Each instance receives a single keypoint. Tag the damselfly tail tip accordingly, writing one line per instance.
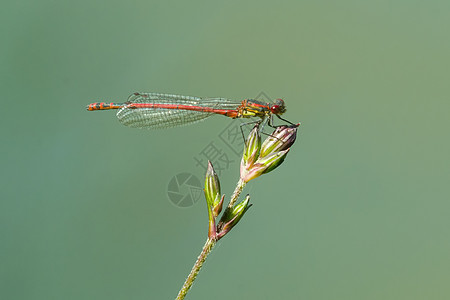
(94, 106)
(103, 106)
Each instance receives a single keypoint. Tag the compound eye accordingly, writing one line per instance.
(278, 107)
(275, 107)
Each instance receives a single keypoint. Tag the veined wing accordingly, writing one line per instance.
(154, 117)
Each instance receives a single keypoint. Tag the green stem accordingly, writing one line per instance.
(237, 191)
(207, 247)
(196, 268)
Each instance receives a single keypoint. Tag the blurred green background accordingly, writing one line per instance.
(359, 210)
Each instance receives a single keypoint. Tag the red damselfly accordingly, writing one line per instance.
(155, 110)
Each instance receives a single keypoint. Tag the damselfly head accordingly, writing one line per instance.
(278, 107)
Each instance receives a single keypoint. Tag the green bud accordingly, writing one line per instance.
(233, 216)
(252, 147)
(212, 187)
(273, 160)
(272, 153)
(281, 139)
(213, 199)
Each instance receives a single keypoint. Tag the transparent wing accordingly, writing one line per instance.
(155, 118)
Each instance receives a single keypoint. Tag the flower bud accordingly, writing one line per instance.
(252, 147)
(213, 199)
(281, 139)
(271, 154)
(233, 216)
(212, 190)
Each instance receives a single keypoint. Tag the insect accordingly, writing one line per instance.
(155, 110)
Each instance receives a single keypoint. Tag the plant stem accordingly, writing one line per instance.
(207, 247)
(237, 191)
(196, 268)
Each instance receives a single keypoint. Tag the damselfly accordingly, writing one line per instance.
(155, 110)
